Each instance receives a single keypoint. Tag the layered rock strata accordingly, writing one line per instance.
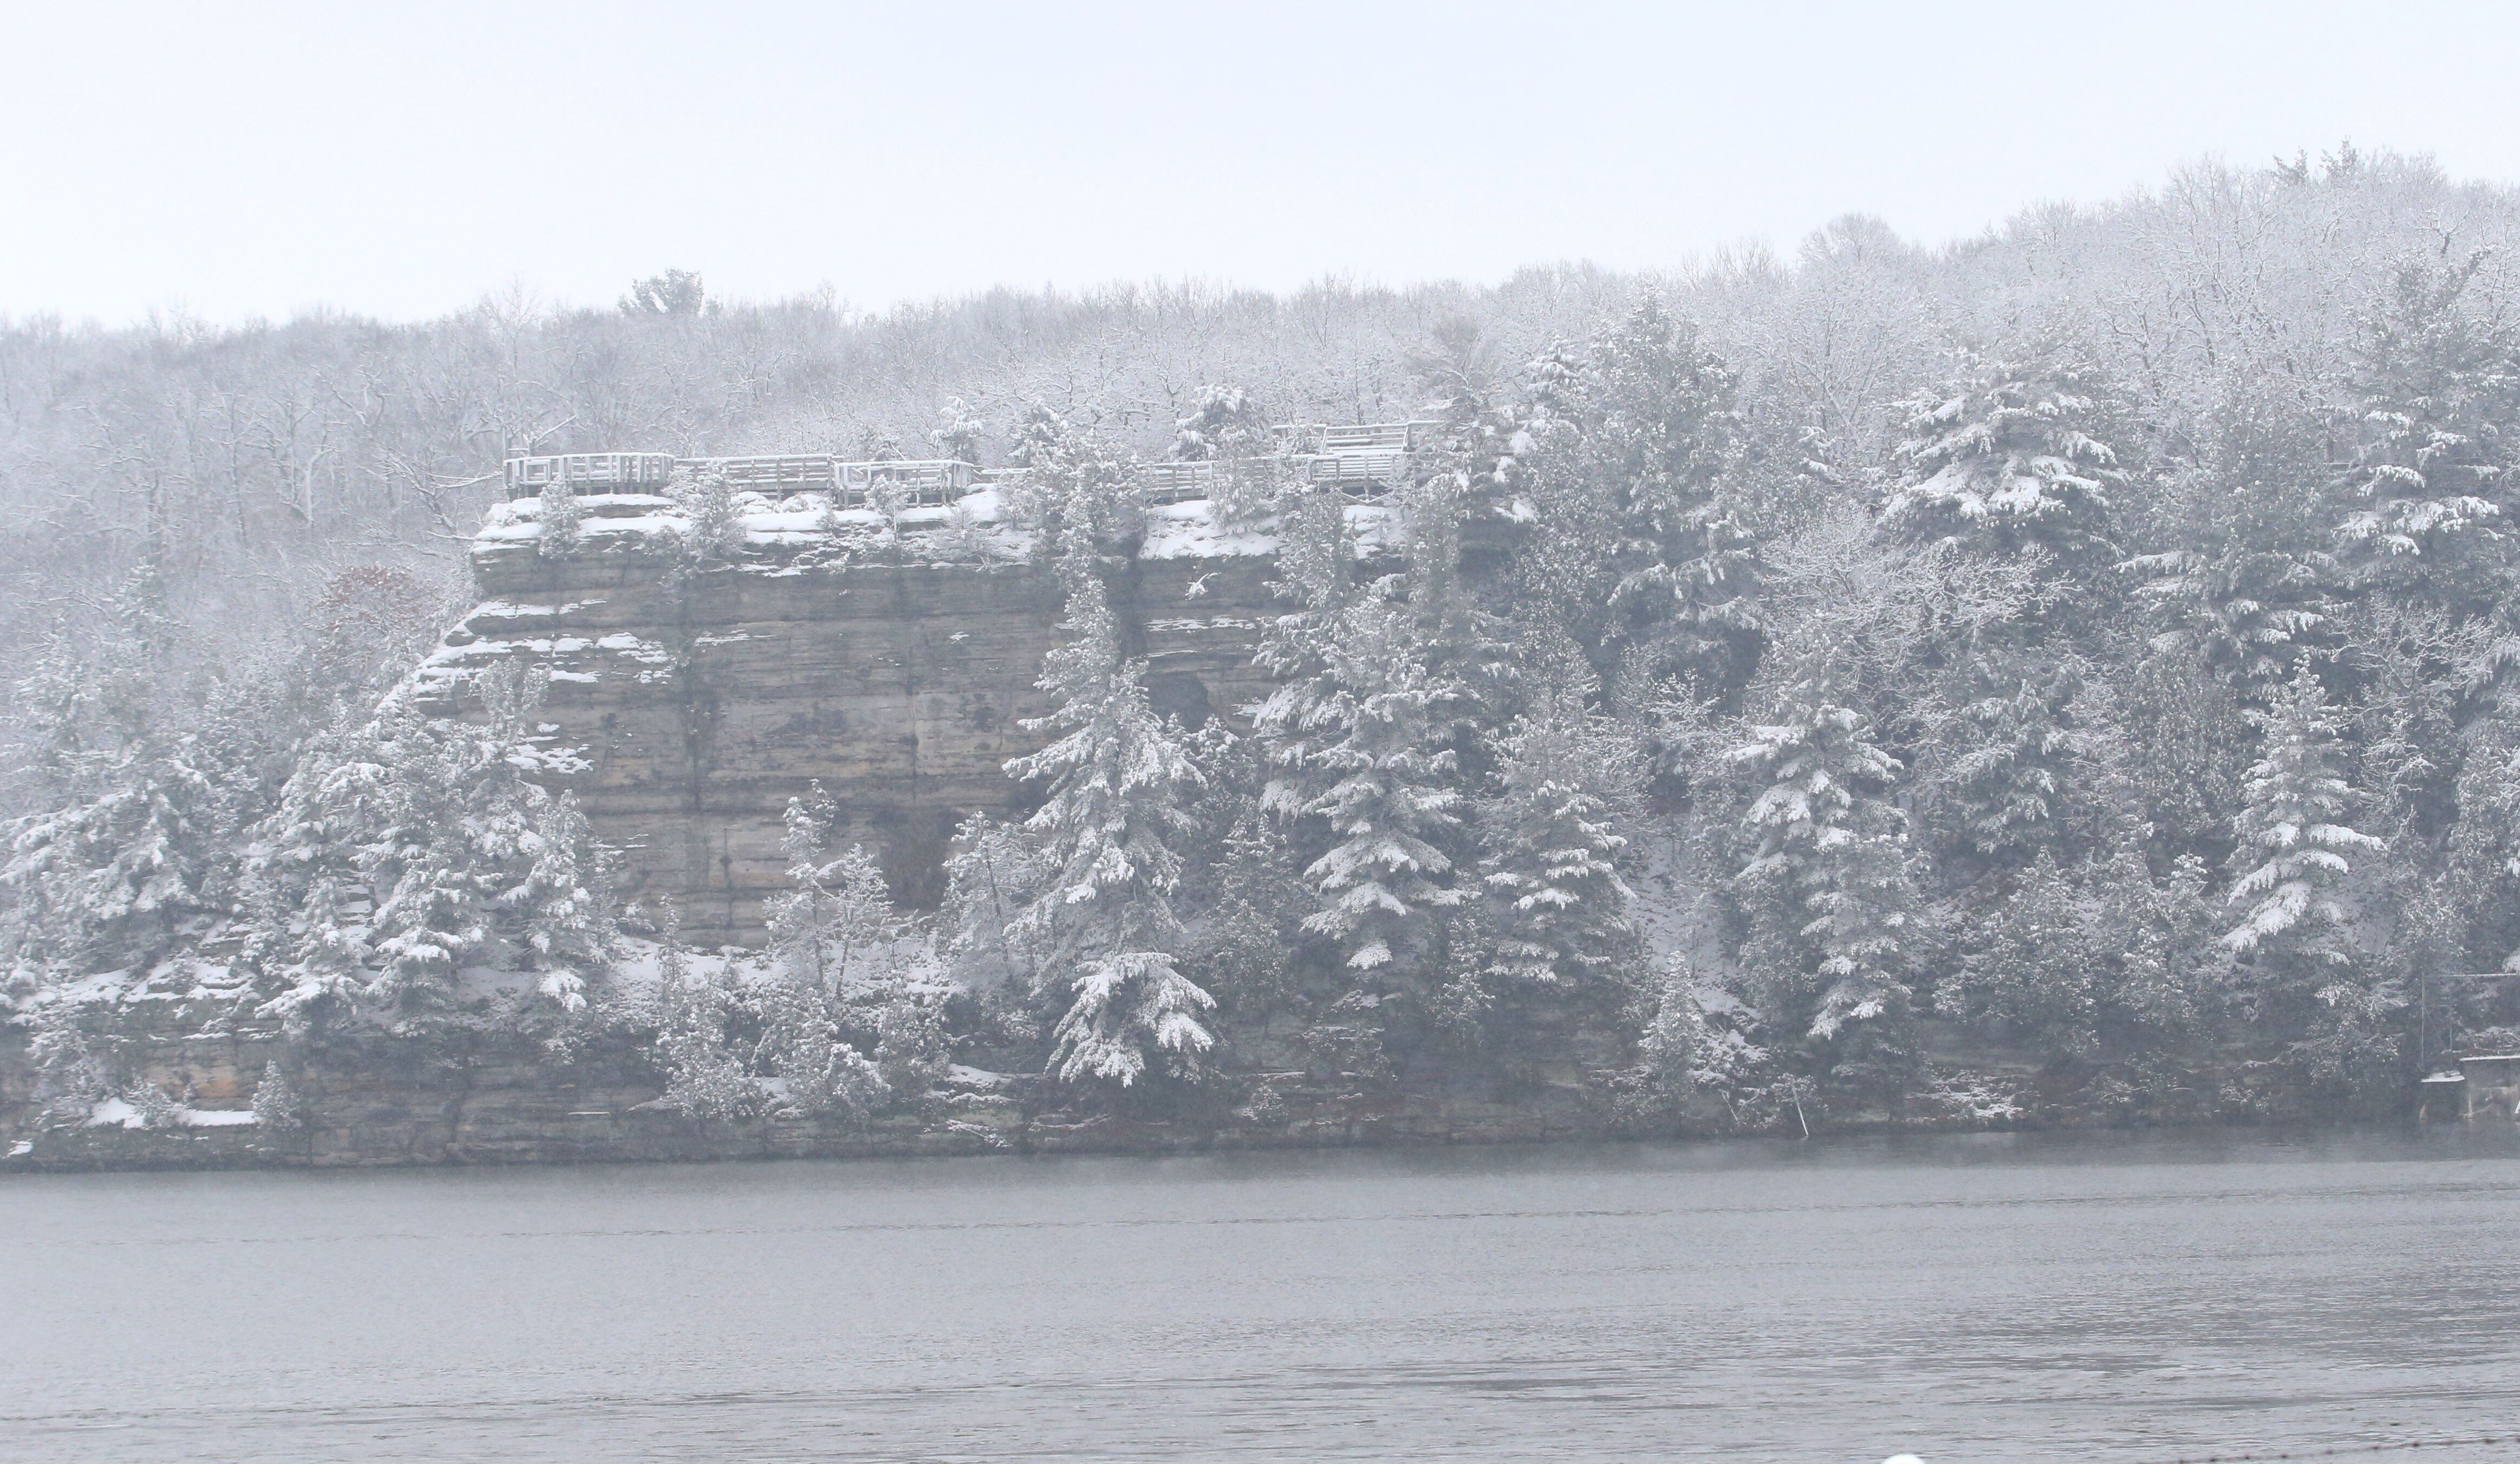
(891, 660)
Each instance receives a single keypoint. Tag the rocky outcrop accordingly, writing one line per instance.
(363, 1100)
(892, 662)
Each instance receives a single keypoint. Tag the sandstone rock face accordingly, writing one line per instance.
(894, 664)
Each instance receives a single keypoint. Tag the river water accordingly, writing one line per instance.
(2008, 1298)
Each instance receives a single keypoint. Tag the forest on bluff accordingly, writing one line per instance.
(2087, 643)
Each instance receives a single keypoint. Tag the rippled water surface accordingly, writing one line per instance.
(1990, 1298)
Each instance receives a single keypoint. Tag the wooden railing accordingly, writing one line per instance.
(1361, 462)
(913, 482)
(793, 472)
(589, 471)
(1311, 437)
(1365, 473)
(1178, 482)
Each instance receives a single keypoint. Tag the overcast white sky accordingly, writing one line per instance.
(400, 160)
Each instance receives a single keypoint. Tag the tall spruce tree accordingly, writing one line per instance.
(2295, 848)
(2020, 743)
(1554, 847)
(1661, 430)
(1386, 794)
(1826, 883)
(1117, 778)
(2439, 387)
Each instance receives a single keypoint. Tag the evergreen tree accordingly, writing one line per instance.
(834, 922)
(1248, 477)
(2021, 747)
(2249, 612)
(1466, 496)
(2253, 587)
(1077, 483)
(2294, 844)
(844, 1023)
(1383, 790)
(561, 902)
(1316, 559)
(151, 791)
(956, 433)
(1662, 431)
(2010, 457)
(1226, 424)
(1827, 885)
(706, 1076)
(1116, 777)
(2439, 387)
(991, 877)
(448, 832)
(2034, 967)
(712, 531)
(2171, 967)
(109, 879)
(560, 514)
(1554, 848)
(1471, 461)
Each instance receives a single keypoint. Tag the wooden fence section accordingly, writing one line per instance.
(1361, 475)
(1361, 462)
(589, 471)
(1305, 438)
(794, 472)
(909, 483)
(915, 482)
(1178, 482)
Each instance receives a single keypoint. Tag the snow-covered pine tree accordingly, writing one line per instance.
(834, 925)
(2034, 963)
(449, 830)
(1316, 564)
(1077, 480)
(462, 837)
(1116, 777)
(1248, 478)
(308, 894)
(2020, 744)
(1033, 432)
(2248, 611)
(2438, 384)
(561, 902)
(2170, 966)
(1827, 885)
(991, 876)
(1566, 780)
(1226, 423)
(1471, 459)
(2293, 855)
(150, 771)
(1462, 510)
(956, 433)
(108, 880)
(2254, 582)
(1382, 785)
(2008, 459)
(1662, 432)
(836, 947)
(559, 514)
(712, 529)
(705, 1076)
